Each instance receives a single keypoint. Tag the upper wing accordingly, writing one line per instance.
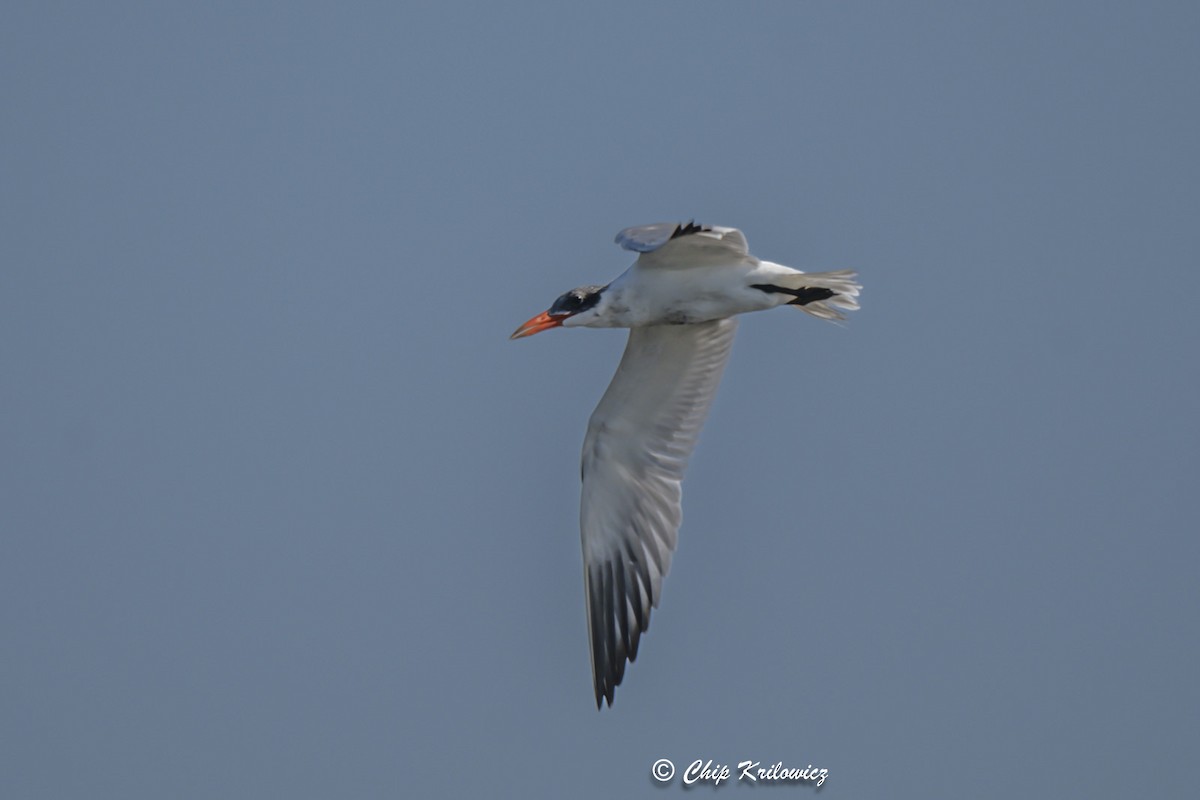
(637, 446)
(668, 244)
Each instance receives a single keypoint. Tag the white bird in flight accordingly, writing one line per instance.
(679, 300)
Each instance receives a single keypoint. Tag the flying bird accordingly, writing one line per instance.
(679, 300)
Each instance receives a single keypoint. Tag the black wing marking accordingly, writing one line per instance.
(689, 227)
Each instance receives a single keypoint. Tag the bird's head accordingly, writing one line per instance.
(580, 306)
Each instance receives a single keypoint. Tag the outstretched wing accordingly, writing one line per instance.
(638, 443)
(670, 244)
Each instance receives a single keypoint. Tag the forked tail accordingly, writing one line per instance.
(822, 294)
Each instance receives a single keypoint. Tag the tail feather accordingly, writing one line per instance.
(822, 294)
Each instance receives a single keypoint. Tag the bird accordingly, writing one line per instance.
(680, 300)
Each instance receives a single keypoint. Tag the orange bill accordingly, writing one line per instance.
(542, 322)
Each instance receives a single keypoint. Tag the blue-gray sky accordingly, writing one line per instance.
(285, 514)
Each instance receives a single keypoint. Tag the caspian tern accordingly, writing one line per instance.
(679, 300)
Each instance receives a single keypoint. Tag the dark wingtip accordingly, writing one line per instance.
(689, 227)
(604, 694)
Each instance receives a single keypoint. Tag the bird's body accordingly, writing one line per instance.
(644, 296)
(679, 301)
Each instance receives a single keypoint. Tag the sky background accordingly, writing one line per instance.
(285, 514)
